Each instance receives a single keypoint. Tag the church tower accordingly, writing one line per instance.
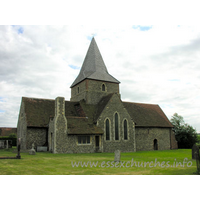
(93, 81)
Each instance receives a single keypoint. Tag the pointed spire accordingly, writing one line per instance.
(94, 67)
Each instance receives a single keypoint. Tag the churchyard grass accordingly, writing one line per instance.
(61, 164)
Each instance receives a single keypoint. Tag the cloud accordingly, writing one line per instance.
(159, 65)
(142, 28)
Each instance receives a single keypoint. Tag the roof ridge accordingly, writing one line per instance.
(109, 96)
(37, 98)
(140, 103)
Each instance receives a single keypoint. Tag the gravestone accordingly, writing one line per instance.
(18, 156)
(6, 144)
(1, 144)
(32, 151)
(117, 156)
(41, 148)
(195, 152)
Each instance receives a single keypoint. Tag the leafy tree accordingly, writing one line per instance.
(185, 134)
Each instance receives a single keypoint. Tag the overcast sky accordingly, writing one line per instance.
(155, 64)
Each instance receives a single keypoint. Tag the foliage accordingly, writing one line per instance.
(185, 134)
(13, 138)
(12, 135)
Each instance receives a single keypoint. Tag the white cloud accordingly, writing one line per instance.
(158, 66)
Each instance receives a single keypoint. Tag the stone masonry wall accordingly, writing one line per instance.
(174, 143)
(91, 91)
(73, 146)
(115, 106)
(38, 136)
(145, 138)
(60, 126)
(22, 127)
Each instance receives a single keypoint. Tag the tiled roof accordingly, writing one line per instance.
(4, 131)
(147, 115)
(38, 111)
(94, 67)
(80, 121)
(82, 117)
(82, 126)
(101, 105)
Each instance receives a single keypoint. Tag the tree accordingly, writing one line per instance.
(185, 134)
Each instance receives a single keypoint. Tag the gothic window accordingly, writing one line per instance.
(78, 89)
(116, 127)
(103, 87)
(125, 130)
(155, 144)
(107, 130)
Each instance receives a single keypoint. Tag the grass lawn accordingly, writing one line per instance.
(61, 164)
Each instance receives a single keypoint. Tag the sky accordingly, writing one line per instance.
(155, 64)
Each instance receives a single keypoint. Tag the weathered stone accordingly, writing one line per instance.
(195, 152)
(1, 144)
(32, 152)
(41, 148)
(117, 156)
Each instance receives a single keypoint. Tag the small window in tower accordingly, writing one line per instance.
(103, 87)
(78, 89)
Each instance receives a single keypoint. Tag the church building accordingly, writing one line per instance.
(95, 119)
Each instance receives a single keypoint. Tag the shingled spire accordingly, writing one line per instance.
(94, 67)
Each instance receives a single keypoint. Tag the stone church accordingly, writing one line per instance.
(95, 119)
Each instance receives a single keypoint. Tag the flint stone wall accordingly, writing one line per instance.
(38, 136)
(91, 91)
(145, 138)
(116, 106)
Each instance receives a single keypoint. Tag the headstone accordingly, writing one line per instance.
(6, 144)
(195, 152)
(41, 148)
(117, 156)
(32, 151)
(1, 144)
(18, 149)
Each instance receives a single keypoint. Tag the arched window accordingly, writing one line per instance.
(78, 89)
(107, 130)
(125, 130)
(155, 144)
(116, 127)
(103, 87)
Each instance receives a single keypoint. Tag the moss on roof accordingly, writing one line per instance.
(38, 111)
(82, 126)
(79, 115)
(82, 117)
